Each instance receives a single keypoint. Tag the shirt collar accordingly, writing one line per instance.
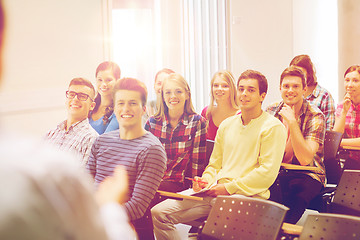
(62, 125)
(184, 119)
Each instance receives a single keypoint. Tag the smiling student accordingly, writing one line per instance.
(223, 102)
(137, 150)
(75, 133)
(316, 94)
(182, 132)
(102, 117)
(347, 118)
(306, 131)
(246, 159)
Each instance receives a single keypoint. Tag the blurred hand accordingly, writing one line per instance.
(114, 188)
(218, 189)
(199, 184)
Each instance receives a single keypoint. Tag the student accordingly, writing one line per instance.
(159, 79)
(315, 94)
(137, 150)
(348, 116)
(246, 159)
(181, 131)
(102, 118)
(75, 133)
(46, 195)
(223, 102)
(306, 130)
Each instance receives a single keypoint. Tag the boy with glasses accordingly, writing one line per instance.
(75, 133)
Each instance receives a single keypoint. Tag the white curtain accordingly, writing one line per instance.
(205, 45)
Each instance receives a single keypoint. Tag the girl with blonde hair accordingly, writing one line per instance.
(223, 102)
(181, 131)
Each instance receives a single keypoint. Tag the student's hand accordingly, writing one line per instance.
(288, 113)
(199, 184)
(218, 189)
(114, 188)
(347, 103)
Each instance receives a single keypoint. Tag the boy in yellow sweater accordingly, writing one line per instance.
(246, 159)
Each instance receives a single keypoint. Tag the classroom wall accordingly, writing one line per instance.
(261, 38)
(349, 38)
(48, 42)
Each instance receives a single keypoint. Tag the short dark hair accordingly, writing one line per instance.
(305, 62)
(83, 82)
(252, 74)
(352, 68)
(131, 84)
(293, 71)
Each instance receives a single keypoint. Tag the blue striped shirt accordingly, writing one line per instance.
(144, 159)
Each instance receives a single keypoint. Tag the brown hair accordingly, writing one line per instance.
(107, 65)
(252, 74)
(131, 84)
(293, 71)
(83, 82)
(352, 68)
(305, 62)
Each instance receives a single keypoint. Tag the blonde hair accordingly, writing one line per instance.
(163, 109)
(229, 78)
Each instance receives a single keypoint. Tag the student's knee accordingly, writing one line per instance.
(158, 213)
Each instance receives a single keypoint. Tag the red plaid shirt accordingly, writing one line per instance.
(352, 121)
(184, 145)
(352, 124)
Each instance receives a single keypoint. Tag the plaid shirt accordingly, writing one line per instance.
(78, 139)
(184, 145)
(321, 98)
(312, 125)
(352, 125)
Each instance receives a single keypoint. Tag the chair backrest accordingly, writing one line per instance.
(209, 149)
(331, 144)
(347, 196)
(239, 217)
(331, 161)
(330, 226)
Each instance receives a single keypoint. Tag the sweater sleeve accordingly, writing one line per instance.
(91, 163)
(150, 171)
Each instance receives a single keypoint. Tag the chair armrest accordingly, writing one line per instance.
(289, 166)
(291, 229)
(350, 147)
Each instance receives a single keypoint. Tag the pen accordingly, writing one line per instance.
(195, 180)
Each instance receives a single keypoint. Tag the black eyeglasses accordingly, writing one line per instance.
(80, 96)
